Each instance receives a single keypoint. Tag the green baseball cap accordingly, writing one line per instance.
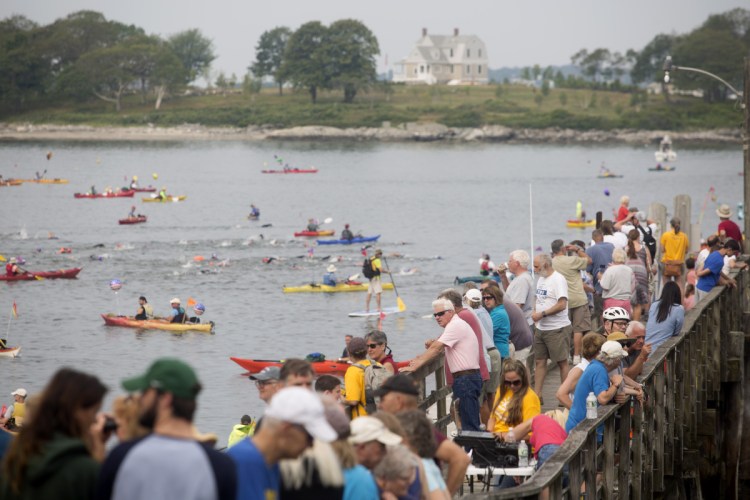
(168, 375)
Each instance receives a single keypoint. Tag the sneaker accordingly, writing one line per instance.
(576, 360)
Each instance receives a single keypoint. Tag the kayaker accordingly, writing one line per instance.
(16, 411)
(254, 212)
(347, 234)
(312, 225)
(329, 278)
(131, 214)
(486, 266)
(134, 182)
(178, 313)
(92, 191)
(163, 194)
(145, 311)
(198, 309)
(240, 431)
(11, 268)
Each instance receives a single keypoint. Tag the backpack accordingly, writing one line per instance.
(649, 240)
(367, 270)
(375, 375)
(314, 357)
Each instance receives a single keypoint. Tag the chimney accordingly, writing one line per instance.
(455, 31)
(424, 32)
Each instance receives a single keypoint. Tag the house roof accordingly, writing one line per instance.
(431, 49)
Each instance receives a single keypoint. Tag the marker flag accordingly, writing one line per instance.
(15, 310)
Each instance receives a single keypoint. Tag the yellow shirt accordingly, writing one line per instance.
(531, 408)
(675, 245)
(354, 388)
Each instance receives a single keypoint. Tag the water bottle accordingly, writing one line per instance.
(510, 437)
(523, 454)
(591, 406)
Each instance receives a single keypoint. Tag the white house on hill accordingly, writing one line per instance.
(452, 60)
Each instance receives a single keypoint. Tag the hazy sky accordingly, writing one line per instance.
(516, 33)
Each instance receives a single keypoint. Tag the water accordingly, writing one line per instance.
(437, 206)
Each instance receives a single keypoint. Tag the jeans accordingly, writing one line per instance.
(543, 455)
(467, 389)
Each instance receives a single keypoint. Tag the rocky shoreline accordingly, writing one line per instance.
(412, 132)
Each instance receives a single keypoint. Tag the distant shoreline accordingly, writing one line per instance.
(413, 132)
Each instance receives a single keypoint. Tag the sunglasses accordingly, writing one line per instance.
(514, 383)
(439, 314)
(488, 297)
(373, 346)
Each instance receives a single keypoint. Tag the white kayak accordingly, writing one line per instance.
(370, 314)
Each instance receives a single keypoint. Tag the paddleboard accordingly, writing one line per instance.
(369, 314)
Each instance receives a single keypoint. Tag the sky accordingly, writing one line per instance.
(519, 33)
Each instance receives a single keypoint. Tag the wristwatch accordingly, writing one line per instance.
(544, 314)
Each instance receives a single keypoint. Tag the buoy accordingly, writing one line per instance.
(606, 192)
(115, 285)
(155, 175)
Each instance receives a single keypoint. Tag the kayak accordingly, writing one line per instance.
(32, 275)
(341, 287)
(359, 239)
(369, 314)
(476, 279)
(134, 220)
(611, 176)
(148, 189)
(320, 367)
(119, 194)
(10, 183)
(46, 181)
(328, 232)
(10, 352)
(128, 321)
(662, 169)
(292, 171)
(580, 223)
(168, 199)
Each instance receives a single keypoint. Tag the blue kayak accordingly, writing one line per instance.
(359, 239)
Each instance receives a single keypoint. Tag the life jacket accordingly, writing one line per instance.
(19, 412)
(179, 317)
(485, 268)
(9, 269)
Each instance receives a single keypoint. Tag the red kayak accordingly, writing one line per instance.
(119, 194)
(313, 234)
(292, 171)
(134, 220)
(320, 367)
(33, 275)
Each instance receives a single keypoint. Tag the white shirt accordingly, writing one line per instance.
(548, 291)
(619, 240)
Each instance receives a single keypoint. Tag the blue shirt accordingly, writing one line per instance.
(601, 257)
(359, 484)
(594, 379)
(329, 279)
(501, 330)
(658, 333)
(255, 479)
(714, 262)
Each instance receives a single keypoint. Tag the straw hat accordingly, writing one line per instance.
(724, 212)
(331, 269)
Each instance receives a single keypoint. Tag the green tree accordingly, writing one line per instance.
(269, 54)
(222, 83)
(647, 66)
(526, 73)
(25, 71)
(536, 71)
(545, 88)
(251, 85)
(594, 63)
(305, 63)
(351, 49)
(194, 51)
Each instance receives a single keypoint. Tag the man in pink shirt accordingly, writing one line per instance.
(462, 357)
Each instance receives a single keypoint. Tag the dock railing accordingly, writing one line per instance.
(689, 430)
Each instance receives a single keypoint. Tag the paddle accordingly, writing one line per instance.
(25, 271)
(399, 302)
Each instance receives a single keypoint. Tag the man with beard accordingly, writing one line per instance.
(168, 463)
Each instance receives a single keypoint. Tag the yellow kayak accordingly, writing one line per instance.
(580, 223)
(165, 200)
(46, 181)
(340, 287)
(129, 322)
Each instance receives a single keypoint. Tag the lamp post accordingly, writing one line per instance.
(669, 67)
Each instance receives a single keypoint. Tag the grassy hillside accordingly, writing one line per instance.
(509, 105)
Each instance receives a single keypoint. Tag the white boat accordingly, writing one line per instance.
(665, 153)
(10, 352)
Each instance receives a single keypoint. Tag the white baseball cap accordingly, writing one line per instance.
(473, 295)
(366, 429)
(19, 392)
(174, 301)
(613, 349)
(296, 405)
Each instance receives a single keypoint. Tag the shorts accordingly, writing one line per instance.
(375, 286)
(625, 304)
(552, 344)
(580, 318)
(496, 368)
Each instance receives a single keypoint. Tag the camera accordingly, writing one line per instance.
(109, 424)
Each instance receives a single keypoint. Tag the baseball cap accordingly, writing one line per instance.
(398, 383)
(299, 406)
(19, 392)
(473, 295)
(168, 375)
(331, 269)
(174, 301)
(613, 349)
(366, 429)
(267, 373)
(357, 344)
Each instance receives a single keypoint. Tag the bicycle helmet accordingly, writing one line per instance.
(615, 313)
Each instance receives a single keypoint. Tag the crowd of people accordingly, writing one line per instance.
(365, 437)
